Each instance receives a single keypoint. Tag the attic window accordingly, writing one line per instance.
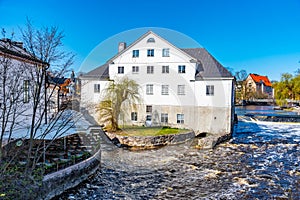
(150, 40)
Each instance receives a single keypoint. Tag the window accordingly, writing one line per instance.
(210, 90)
(121, 70)
(180, 118)
(181, 69)
(181, 90)
(149, 109)
(135, 53)
(166, 52)
(96, 88)
(150, 69)
(165, 89)
(150, 40)
(149, 89)
(164, 117)
(165, 69)
(135, 69)
(26, 91)
(150, 52)
(134, 116)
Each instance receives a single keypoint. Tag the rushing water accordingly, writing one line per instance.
(259, 162)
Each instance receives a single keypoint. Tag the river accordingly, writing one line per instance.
(259, 162)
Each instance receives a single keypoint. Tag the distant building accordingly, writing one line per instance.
(184, 88)
(260, 85)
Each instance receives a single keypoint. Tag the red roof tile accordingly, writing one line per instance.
(257, 78)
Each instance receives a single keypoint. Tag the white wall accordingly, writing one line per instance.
(88, 96)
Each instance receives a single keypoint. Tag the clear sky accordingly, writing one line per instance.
(260, 36)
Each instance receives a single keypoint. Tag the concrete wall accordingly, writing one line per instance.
(201, 119)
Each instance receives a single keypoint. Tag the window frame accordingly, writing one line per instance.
(150, 52)
(134, 116)
(166, 52)
(135, 53)
(165, 69)
(135, 69)
(210, 90)
(151, 40)
(121, 69)
(25, 91)
(164, 118)
(181, 69)
(180, 118)
(180, 89)
(149, 89)
(150, 69)
(97, 87)
(148, 108)
(164, 89)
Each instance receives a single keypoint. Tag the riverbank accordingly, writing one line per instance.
(143, 138)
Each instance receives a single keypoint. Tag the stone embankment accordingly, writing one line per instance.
(211, 141)
(150, 142)
(58, 182)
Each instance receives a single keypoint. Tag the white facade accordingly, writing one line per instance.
(169, 86)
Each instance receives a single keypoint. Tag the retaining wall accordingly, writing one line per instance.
(56, 183)
(152, 141)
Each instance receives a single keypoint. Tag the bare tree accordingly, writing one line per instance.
(25, 92)
(46, 45)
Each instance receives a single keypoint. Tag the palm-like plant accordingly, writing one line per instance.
(121, 93)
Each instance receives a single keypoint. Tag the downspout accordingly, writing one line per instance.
(45, 68)
(45, 91)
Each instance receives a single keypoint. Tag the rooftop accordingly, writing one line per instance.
(261, 79)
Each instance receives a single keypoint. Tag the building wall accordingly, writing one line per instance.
(89, 97)
(202, 119)
(17, 72)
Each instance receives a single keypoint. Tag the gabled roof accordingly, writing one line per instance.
(101, 73)
(141, 38)
(208, 66)
(15, 50)
(261, 79)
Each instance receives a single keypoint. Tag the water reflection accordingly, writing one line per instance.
(260, 162)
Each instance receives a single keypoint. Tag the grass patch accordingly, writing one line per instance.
(149, 131)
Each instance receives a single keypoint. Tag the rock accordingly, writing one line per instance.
(208, 142)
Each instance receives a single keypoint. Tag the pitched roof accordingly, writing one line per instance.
(207, 65)
(101, 72)
(16, 50)
(261, 79)
(141, 38)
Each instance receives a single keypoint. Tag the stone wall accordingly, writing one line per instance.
(56, 183)
(151, 141)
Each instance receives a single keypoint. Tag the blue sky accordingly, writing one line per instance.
(260, 36)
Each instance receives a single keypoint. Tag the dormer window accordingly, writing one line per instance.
(150, 40)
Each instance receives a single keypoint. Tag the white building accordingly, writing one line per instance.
(29, 98)
(185, 88)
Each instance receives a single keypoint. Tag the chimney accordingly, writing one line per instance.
(122, 46)
(18, 44)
